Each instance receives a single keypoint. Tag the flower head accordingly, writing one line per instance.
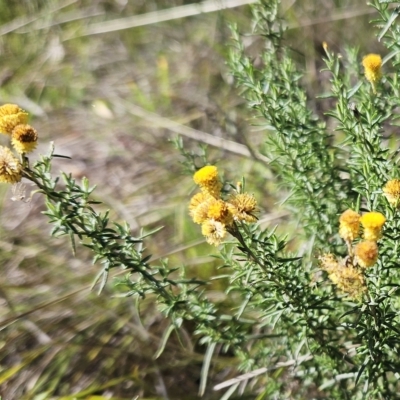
(214, 231)
(366, 253)
(10, 167)
(328, 262)
(392, 192)
(349, 225)
(349, 280)
(218, 210)
(11, 115)
(372, 223)
(207, 179)
(372, 64)
(24, 138)
(198, 207)
(345, 276)
(243, 207)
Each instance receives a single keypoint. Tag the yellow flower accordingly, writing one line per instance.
(372, 223)
(10, 167)
(349, 225)
(10, 116)
(218, 210)
(366, 253)
(24, 138)
(392, 192)
(243, 207)
(198, 207)
(372, 64)
(214, 231)
(207, 179)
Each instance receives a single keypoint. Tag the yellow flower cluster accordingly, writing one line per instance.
(349, 274)
(372, 64)
(215, 215)
(13, 122)
(372, 223)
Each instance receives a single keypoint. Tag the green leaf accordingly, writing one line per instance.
(164, 340)
(390, 20)
(361, 370)
(206, 367)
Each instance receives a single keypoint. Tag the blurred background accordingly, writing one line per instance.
(111, 82)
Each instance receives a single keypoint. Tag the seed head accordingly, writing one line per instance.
(328, 263)
(10, 167)
(243, 206)
(198, 207)
(214, 231)
(350, 280)
(392, 192)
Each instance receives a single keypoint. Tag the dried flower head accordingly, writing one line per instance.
(207, 179)
(392, 192)
(349, 225)
(328, 262)
(214, 231)
(243, 207)
(10, 167)
(366, 253)
(349, 280)
(24, 138)
(372, 64)
(344, 275)
(198, 207)
(372, 223)
(11, 115)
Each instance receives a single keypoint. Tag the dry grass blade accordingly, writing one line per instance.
(338, 16)
(23, 21)
(203, 137)
(260, 371)
(163, 15)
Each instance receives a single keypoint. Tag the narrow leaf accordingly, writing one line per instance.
(206, 367)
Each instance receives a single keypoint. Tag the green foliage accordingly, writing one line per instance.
(285, 319)
(298, 143)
